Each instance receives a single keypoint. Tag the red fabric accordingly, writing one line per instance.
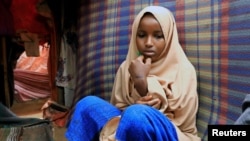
(26, 17)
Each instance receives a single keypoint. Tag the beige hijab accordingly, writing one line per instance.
(172, 78)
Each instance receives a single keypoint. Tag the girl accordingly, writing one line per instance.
(154, 97)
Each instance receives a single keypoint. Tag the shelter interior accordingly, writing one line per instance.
(213, 34)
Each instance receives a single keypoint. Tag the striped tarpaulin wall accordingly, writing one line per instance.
(215, 35)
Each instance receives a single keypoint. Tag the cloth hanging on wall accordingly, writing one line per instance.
(66, 74)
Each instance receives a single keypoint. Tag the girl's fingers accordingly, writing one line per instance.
(148, 61)
(141, 57)
(146, 98)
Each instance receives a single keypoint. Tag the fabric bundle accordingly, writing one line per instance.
(93, 121)
(31, 76)
(95, 116)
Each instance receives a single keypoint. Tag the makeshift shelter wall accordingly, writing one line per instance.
(214, 35)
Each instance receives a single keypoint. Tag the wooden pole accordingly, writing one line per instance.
(5, 72)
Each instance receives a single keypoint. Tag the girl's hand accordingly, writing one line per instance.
(150, 100)
(138, 68)
(138, 72)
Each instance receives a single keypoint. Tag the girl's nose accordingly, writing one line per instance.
(149, 42)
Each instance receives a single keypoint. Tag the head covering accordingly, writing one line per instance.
(173, 76)
(167, 23)
(169, 64)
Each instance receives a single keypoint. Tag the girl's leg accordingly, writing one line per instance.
(90, 115)
(144, 123)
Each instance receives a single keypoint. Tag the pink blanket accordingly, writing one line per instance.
(31, 76)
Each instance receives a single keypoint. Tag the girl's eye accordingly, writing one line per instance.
(140, 35)
(159, 36)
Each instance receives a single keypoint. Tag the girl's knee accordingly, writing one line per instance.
(134, 109)
(88, 99)
(136, 112)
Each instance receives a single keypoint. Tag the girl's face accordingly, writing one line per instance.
(150, 39)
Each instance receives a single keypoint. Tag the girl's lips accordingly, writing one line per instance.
(148, 53)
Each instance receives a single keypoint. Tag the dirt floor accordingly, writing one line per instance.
(33, 109)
